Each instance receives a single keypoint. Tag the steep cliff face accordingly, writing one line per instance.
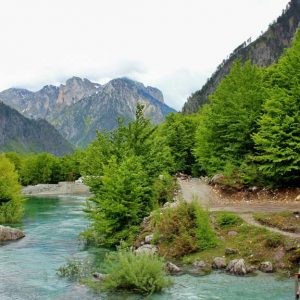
(263, 52)
(118, 98)
(74, 90)
(20, 134)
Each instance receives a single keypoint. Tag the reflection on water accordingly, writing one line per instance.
(52, 224)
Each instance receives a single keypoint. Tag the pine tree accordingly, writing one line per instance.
(278, 138)
(227, 123)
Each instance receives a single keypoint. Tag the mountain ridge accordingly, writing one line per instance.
(264, 51)
(78, 108)
(20, 134)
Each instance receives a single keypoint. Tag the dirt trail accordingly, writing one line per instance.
(198, 189)
(250, 220)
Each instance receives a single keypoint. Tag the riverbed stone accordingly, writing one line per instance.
(237, 267)
(200, 264)
(10, 234)
(279, 254)
(266, 267)
(148, 238)
(232, 233)
(172, 268)
(231, 251)
(147, 249)
(99, 276)
(219, 263)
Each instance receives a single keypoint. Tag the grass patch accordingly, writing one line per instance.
(254, 244)
(285, 221)
(228, 219)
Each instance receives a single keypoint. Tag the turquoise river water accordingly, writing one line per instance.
(52, 224)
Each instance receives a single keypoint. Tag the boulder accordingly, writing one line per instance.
(230, 251)
(266, 267)
(200, 264)
(291, 245)
(172, 268)
(10, 234)
(217, 179)
(99, 276)
(232, 233)
(219, 263)
(148, 238)
(147, 249)
(297, 198)
(237, 267)
(200, 268)
(279, 254)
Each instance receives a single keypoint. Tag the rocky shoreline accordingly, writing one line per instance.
(61, 188)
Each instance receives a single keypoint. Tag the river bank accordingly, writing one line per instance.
(52, 225)
(61, 188)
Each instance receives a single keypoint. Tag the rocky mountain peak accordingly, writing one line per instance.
(75, 89)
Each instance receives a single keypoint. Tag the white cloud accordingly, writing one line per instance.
(171, 44)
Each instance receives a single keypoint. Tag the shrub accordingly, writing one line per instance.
(11, 208)
(273, 240)
(76, 269)
(142, 273)
(182, 230)
(163, 188)
(227, 219)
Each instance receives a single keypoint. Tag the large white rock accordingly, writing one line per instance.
(148, 249)
(237, 267)
(219, 263)
(10, 234)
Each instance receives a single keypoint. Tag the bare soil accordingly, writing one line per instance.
(244, 203)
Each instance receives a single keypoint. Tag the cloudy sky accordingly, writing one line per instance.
(171, 44)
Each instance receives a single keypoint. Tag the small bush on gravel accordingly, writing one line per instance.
(273, 240)
(142, 273)
(76, 269)
(227, 219)
(183, 229)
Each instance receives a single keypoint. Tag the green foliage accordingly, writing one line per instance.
(122, 169)
(45, 167)
(227, 123)
(273, 240)
(163, 188)
(77, 269)
(179, 131)
(141, 273)
(227, 219)
(278, 137)
(11, 208)
(182, 230)
(121, 200)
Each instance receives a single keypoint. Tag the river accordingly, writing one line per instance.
(52, 224)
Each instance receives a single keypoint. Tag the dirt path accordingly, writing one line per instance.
(248, 218)
(198, 189)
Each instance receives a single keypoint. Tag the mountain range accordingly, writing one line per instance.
(80, 107)
(18, 133)
(263, 51)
